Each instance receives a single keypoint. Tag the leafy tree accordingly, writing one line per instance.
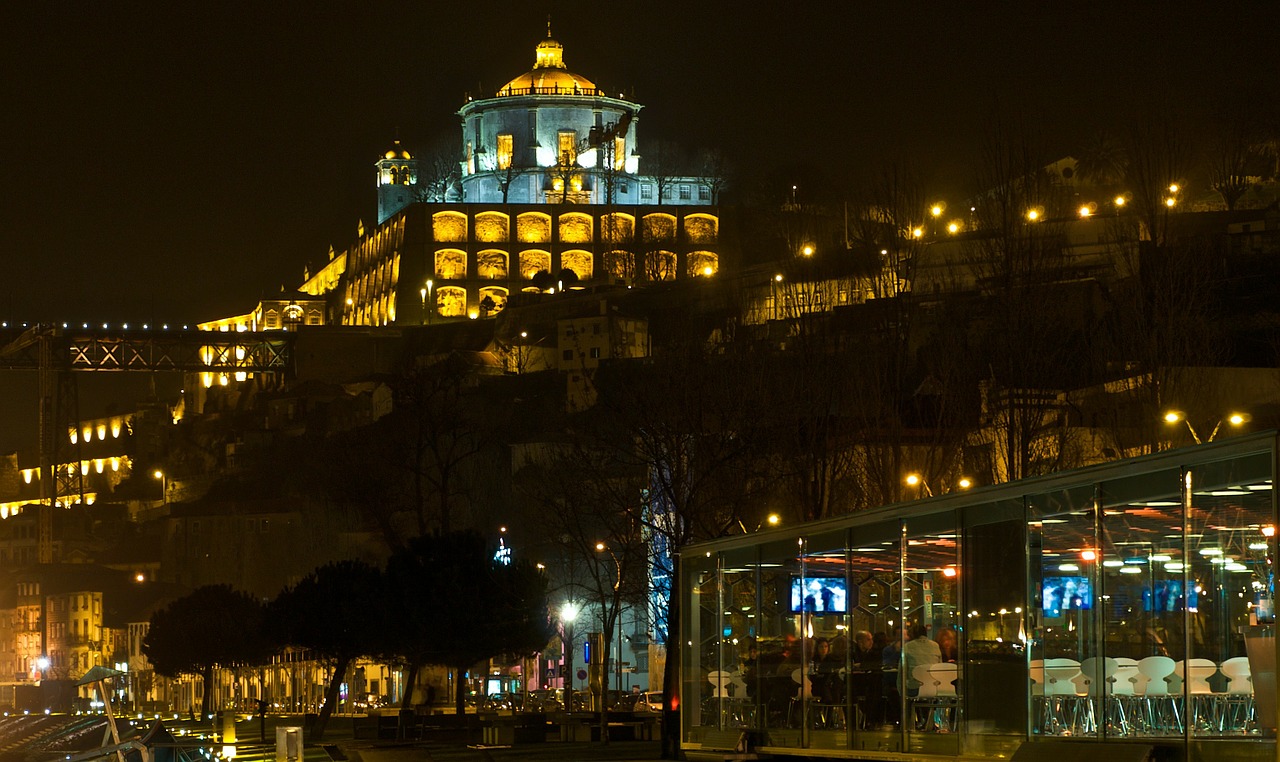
(459, 605)
(333, 612)
(215, 626)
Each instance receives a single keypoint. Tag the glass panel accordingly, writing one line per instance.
(1229, 584)
(873, 681)
(1062, 546)
(702, 648)
(737, 689)
(825, 603)
(931, 619)
(1141, 605)
(781, 645)
(993, 649)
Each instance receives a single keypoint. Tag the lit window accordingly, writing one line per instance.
(568, 147)
(619, 154)
(686, 193)
(646, 190)
(504, 151)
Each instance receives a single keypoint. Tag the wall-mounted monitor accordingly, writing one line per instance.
(1059, 594)
(819, 595)
(1165, 595)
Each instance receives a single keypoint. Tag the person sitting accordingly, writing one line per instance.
(947, 645)
(918, 651)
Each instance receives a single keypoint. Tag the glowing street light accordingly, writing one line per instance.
(937, 209)
(1033, 215)
(1234, 419)
(954, 227)
(164, 484)
(568, 613)
(807, 250)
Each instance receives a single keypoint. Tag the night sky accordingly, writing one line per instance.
(175, 162)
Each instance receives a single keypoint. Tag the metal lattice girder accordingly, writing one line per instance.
(186, 351)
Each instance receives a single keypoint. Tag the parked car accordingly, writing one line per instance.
(649, 701)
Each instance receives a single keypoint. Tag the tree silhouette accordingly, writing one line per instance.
(215, 626)
(334, 611)
(458, 606)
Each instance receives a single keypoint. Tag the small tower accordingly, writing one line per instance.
(397, 181)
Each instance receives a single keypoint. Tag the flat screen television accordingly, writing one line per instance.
(1165, 595)
(819, 595)
(1059, 594)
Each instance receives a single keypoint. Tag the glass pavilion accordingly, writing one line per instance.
(1126, 603)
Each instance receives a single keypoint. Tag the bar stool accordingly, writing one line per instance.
(1161, 714)
(1236, 707)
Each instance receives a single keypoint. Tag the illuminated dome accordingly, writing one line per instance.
(397, 151)
(549, 75)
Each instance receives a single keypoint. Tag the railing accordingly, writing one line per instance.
(588, 92)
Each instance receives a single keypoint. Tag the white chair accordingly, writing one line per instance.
(1061, 709)
(1236, 707)
(719, 684)
(935, 703)
(1098, 680)
(1161, 713)
(1196, 673)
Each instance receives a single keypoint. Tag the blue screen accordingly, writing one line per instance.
(1166, 595)
(1059, 594)
(819, 595)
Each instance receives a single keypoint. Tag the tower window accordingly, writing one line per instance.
(568, 147)
(504, 151)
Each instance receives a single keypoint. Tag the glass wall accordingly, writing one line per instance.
(1126, 603)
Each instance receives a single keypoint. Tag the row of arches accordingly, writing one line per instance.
(574, 227)
(451, 301)
(495, 264)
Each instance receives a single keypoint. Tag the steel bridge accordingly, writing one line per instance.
(56, 353)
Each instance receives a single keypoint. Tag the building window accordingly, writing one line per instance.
(568, 147)
(595, 353)
(568, 354)
(666, 192)
(619, 154)
(504, 151)
(686, 193)
(622, 187)
(704, 193)
(646, 190)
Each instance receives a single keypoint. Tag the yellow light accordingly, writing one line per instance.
(774, 519)
(1268, 531)
(807, 251)
(158, 474)
(950, 571)
(1119, 201)
(1173, 416)
(953, 228)
(965, 482)
(473, 314)
(139, 577)
(707, 271)
(778, 277)
(1033, 214)
(599, 546)
(1170, 202)
(936, 210)
(1085, 211)
(913, 479)
(1088, 555)
(917, 232)
(1173, 188)
(1237, 419)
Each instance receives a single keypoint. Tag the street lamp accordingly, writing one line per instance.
(1174, 417)
(164, 484)
(922, 487)
(568, 613)
(617, 601)
(774, 286)
(426, 296)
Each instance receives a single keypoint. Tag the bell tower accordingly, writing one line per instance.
(397, 181)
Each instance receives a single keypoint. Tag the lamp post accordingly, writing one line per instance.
(568, 613)
(617, 601)
(774, 285)
(425, 293)
(1174, 417)
(164, 484)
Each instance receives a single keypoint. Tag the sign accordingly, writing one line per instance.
(582, 674)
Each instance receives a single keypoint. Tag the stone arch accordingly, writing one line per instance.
(579, 261)
(617, 227)
(499, 296)
(701, 227)
(533, 227)
(451, 264)
(451, 301)
(660, 265)
(703, 263)
(659, 227)
(620, 264)
(492, 227)
(534, 261)
(575, 227)
(491, 264)
(449, 227)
